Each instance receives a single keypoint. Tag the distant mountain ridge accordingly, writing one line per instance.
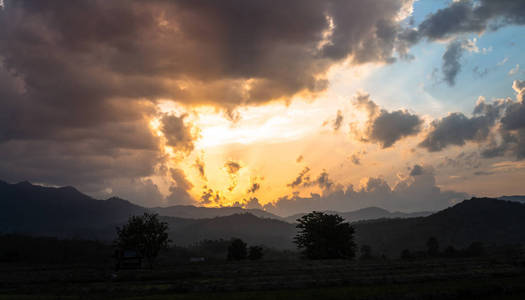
(195, 212)
(368, 213)
(514, 198)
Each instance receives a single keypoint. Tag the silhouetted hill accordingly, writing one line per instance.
(368, 213)
(250, 228)
(59, 212)
(486, 220)
(194, 212)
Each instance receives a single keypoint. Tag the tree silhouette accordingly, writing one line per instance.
(324, 236)
(237, 250)
(145, 234)
(255, 252)
(432, 246)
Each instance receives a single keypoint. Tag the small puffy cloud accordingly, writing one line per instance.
(356, 157)
(232, 167)
(338, 121)
(254, 185)
(199, 165)
(210, 197)
(301, 178)
(416, 170)
(383, 127)
(451, 65)
(514, 70)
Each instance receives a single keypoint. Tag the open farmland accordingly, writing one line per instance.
(292, 279)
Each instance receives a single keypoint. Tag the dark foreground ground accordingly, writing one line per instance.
(420, 279)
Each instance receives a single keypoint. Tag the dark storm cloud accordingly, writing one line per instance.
(415, 193)
(194, 51)
(386, 128)
(451, 64)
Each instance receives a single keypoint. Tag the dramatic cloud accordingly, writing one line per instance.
(417, 192)
(86, 75)
(383, 127)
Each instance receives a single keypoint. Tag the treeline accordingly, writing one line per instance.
(16, 248)
(50, 250)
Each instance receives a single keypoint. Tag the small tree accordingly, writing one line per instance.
(432, 246)
(324, 236)
(237, 250)
(145, 234)
(366, 252)
(255, 252)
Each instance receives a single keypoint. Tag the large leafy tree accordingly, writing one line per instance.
(145, 234)
(325, 236)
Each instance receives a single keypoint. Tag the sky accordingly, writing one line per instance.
(287, 106)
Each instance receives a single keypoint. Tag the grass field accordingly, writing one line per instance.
(334, 279)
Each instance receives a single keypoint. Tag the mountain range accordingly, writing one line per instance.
(66, 212)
